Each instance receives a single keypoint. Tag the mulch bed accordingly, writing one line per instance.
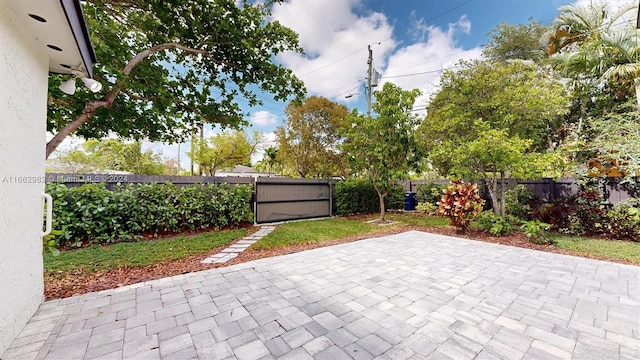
(76, 283)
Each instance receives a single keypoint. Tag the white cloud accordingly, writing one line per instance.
(419, 65)
(263, 118)
(335, 39)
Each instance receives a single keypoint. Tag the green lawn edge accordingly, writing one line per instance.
(138, 254)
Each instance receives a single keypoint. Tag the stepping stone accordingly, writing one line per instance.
(232, 251)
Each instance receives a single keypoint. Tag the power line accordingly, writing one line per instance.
(400, 33)
(334, 62)
(413, 74)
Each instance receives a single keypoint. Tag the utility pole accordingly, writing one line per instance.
(193, 147)
(201, 144)
(369, 72)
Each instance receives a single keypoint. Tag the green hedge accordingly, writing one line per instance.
(360, 197)
(94, 214)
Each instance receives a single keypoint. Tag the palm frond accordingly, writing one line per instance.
(625, 71)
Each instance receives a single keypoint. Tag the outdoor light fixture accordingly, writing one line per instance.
(69, 86)
(92, 85)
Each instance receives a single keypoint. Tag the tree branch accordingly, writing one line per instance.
(108, 99)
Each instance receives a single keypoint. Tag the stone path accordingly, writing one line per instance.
(232, 251)
(407, 296)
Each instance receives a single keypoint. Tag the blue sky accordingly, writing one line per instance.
(412, 42)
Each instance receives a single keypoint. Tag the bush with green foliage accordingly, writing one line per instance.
(493, 223)
(357, 196)
(461, 203)
(92, 213)
(624, 222)
(51, 241)
(591, 210)
(429, 192)
(519, 202)
(536, 231)
(427, 208)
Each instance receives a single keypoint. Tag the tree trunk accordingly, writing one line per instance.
(492, 186)
(503, 209)
(636, 82)
(381, 197)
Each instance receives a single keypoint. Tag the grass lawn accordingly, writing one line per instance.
(413, 219)
(615, 249)
(331, 229)
(145, 253)
(138, 254)
(312, 231)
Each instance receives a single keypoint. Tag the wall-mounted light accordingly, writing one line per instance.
(69, 86)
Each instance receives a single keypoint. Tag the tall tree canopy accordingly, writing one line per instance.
(308, 141)
(383, 148)
(488, 115)
(596, 46)
(167, 66)
(224, 150)
(593, 42)
(521, 41)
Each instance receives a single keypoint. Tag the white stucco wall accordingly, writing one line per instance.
(23, 101)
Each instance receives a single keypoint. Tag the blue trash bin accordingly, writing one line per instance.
(409, 201)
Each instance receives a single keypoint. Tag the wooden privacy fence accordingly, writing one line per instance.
(550, 190)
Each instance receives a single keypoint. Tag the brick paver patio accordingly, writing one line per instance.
(407, 296)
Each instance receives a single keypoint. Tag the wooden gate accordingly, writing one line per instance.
(278, 199)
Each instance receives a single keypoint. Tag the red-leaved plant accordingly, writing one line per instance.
(461, 203)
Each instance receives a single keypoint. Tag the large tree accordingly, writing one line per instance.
(521, 41)
(383, 148)
(224, 150)
(169, 66)
(503, 108)
(309, 138)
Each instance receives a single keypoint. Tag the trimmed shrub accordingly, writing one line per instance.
(358, 196)
(92, 214)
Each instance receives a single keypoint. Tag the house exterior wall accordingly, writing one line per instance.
(23, 101)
